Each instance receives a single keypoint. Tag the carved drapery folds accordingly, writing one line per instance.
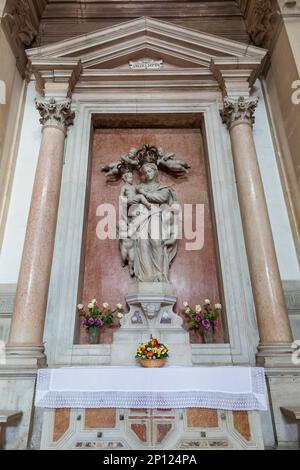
(21, 24)
(262, 24)
(53, 113)
(239, 109)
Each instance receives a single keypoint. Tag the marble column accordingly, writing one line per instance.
(272, 316)
(27, 328)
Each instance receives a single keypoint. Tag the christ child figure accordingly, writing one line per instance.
(129, 191)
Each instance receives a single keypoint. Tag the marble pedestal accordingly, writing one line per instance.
(151, 313)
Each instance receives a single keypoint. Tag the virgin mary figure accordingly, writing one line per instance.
(153, 230)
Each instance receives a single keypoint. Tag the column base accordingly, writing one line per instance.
(276, 356)
(17, 356)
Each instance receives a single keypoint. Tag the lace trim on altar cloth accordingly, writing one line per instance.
(250, 400)
(213, 400)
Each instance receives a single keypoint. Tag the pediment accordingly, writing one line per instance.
(109, 53)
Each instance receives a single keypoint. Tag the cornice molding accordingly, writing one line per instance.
(149, 28)
(63, 73)
(102, 59)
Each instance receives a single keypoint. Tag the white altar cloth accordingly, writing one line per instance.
(224, 388)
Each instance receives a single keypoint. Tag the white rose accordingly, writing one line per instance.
(94, 301)
(120, 315)
(188, 310)
(207, 302)
(198, 309)
(185, 304)
(90, 305)
(119, 306)
(80, 307)
(218, 307)
(105, 305)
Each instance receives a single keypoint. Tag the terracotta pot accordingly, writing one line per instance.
(152, 363)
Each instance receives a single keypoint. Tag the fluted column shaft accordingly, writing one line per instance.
(272, 315)
(27, 326)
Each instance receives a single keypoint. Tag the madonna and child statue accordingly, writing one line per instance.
(148, 230)
(148, 226)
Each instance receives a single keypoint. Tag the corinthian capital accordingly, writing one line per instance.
(55, 113)
(239, 109)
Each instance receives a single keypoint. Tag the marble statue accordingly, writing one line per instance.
(148, 223)
(129, 191)
(148, 233)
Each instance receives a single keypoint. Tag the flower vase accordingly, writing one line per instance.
(208, 336)
(94, 334)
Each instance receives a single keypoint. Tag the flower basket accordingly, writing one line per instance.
(152, 363)
(152, 354)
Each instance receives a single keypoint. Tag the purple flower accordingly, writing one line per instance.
(206, 324)
(91, 321)
(216, 323)
(198, 318)
(99, 322)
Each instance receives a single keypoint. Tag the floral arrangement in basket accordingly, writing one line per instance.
(95, 317)
(204, 318)
(152, 353)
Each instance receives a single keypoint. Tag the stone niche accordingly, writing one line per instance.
(194, 275)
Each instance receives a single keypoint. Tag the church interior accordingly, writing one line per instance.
(149, 225)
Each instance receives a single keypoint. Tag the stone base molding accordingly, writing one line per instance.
(284, 389)
(17, 388)
(275, 355)
(282, 366)
(7, 418)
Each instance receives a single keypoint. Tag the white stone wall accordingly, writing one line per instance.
(12, 247)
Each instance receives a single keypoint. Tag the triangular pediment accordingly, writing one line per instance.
(122, 50)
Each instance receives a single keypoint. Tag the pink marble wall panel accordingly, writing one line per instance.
(194, 273)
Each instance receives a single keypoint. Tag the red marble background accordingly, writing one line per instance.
(193, 273)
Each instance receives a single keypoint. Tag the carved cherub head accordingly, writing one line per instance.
(128, 177)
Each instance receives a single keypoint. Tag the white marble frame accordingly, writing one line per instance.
(60, 321)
